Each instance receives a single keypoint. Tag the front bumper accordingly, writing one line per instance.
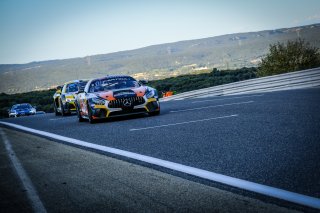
(104, 111)
(18, 114)
(70, 106)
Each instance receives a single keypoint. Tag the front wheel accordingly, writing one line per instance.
(63, 113)
(90, 117)
(80, 118)
(55, 109)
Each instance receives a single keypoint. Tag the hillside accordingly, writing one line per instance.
(157, 61)
(44, 102)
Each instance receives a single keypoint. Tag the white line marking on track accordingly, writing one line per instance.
(186, 122)
(221, 99)
(231, 181)
(24, 178)
(208, 107)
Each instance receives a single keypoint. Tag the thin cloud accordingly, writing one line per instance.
(314, 17)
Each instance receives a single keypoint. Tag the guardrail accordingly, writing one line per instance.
(293, 80)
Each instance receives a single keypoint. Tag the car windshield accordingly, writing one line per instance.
(72, 87)
(22, 106)
(106, 84)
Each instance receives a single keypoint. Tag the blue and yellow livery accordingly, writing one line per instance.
(64, 98)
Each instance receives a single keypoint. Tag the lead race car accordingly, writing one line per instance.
(114, 96)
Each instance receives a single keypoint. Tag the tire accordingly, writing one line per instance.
(80, 118)
(63, 113)
(155, 113)
(91, 120)
(55, 109)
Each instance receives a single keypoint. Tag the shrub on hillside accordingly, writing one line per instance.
(292, 56)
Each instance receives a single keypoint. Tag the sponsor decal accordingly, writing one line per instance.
(124, 94)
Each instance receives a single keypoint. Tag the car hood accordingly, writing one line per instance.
(122, 93)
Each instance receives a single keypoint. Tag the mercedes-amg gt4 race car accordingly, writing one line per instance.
(64, 98)
(114, 96)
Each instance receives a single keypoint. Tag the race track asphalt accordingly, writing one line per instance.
(270, 138)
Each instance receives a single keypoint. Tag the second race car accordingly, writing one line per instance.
(116, 95)
(64, 98)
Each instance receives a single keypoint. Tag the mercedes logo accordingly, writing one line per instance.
(126, 103)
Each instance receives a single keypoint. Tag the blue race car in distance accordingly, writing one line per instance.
(18, 110)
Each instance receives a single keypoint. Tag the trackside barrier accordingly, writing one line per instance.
(294, 80)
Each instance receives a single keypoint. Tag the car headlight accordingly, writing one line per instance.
(33, 110)
(98, 101)
(151, 93)
(14, 112)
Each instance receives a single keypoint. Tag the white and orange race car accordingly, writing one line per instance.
(116, 95)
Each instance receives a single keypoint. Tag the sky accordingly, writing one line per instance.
(37, 30)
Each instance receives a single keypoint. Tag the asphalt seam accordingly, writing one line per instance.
(32, 194)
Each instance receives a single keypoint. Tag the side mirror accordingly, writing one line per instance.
(143, 82)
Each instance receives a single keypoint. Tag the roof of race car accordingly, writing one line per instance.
(76, 81)
(113, 76)
(23, 104)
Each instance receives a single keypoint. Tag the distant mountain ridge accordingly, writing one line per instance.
(157, 61)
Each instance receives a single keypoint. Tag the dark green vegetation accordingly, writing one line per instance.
(44, 101)
(224, 52)
(41, 99)
(292, 56)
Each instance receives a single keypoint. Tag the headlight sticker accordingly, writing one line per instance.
(98, 101)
